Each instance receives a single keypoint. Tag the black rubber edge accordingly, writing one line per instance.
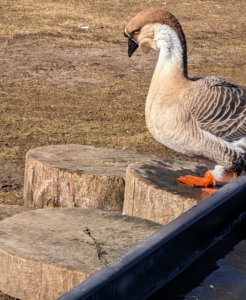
(149, 265)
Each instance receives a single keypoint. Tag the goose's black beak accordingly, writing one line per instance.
(132, 45)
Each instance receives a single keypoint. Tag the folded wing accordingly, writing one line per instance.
(219, 107)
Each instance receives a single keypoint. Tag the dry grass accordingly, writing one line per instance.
(61, 84)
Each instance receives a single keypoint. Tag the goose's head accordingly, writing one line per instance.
(144, 30)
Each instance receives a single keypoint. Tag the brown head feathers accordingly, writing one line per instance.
(162, 16)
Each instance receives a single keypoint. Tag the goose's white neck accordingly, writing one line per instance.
(171, 51)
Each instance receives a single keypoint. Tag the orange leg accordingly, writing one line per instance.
(205, 181)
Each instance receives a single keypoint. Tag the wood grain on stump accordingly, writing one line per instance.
(77, 176)
(7, 211)
(46, 252)
(152, 191)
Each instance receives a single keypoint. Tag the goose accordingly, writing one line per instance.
(204, 117)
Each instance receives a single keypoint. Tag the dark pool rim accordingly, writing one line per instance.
(152, 263)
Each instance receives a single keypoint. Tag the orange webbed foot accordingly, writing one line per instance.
(210, 191)
(205, 181)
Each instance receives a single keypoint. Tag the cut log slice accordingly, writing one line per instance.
(7, 211)
(46, 252)
(77, 176)
(152, 191)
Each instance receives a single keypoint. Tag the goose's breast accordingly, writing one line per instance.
(170, 126)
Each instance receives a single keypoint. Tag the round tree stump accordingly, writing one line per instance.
(77, 176)
(152, 191)
(7, 211)
(46, 252)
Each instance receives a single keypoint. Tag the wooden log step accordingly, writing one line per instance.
(77, 176)
(46, 252)
(7, 211)
(152, 191)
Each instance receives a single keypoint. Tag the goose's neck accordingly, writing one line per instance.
(172, 61)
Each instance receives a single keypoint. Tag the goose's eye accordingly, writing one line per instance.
(136, 31)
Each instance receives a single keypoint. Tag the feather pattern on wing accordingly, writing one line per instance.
(218, 106)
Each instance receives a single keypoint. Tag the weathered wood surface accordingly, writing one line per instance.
(46, 252)
(152, 191)
(77, 176)
(7, 211)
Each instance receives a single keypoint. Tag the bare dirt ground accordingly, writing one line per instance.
(62, 84)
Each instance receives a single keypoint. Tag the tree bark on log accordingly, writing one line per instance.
(77, 176)
(152, 191)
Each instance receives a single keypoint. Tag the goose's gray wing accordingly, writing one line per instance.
(219, 107)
